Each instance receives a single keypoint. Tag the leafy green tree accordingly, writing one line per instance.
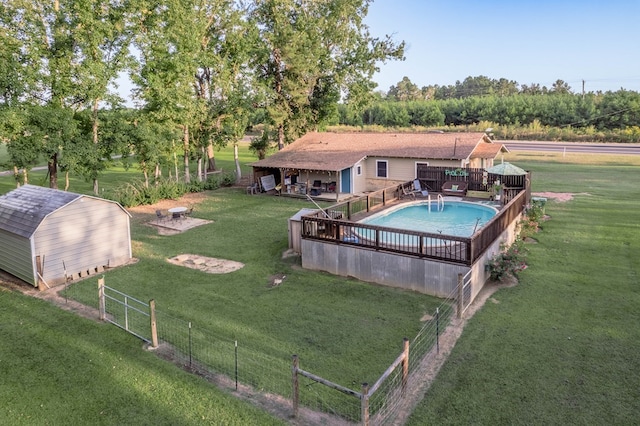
(310, 53)
(404, 90)
(560, 87)
(191, 71)
(69, 51)
(618, 110)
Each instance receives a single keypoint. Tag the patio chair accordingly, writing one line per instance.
(407, 192)
(160, 217)
(316, 188)
(189, 212)
(417, 188)
(253, 189)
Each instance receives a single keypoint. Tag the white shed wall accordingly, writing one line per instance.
(84, 236)
(15, 256)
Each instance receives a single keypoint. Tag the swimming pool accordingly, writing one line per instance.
(457, 218)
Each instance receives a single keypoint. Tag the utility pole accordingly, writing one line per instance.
(582, 89)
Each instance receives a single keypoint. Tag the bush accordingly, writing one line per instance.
(509, 261)
(512, 259)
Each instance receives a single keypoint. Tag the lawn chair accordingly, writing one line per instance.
(189, 212)
(160, 217)
(417, 188)
(407, 192)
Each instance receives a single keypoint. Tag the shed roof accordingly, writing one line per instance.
(23, 209)
(337, 151)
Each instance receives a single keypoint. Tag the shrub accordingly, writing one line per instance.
(509, 261)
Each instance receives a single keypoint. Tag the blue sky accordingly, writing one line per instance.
(541, 41)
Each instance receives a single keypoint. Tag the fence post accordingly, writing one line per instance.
(460, 295)
(405, 365)
(296, 388)
(364, 405)
(438, 330)
(154, 325)
(101, 301)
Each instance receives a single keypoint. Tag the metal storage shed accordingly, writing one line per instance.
(48, 236)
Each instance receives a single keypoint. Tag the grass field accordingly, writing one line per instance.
(342, 329)
(559, 347)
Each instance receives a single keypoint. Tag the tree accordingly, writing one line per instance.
(188, 66)
(405, 90)
(69, 52)
(560, 87)
(101, 40)
(310, 53)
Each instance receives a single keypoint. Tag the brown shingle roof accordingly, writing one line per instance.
(488, 150)
(337, 151)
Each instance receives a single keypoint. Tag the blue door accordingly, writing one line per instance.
(345, 180)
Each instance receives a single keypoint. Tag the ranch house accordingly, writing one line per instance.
(339, 165)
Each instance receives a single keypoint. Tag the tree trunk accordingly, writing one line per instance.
(280, 137)
(95, 139)
(211, 158)
(185, 145)
(52, 167)
(66, 180)
(235, 157)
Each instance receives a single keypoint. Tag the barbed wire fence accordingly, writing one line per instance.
(274, 380)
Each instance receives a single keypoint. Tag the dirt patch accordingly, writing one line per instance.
(210, 265)
(557, 196)
(192, 198)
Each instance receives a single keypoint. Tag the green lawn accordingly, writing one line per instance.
(562, 346)
(559, 347)
(60, 369)
(342, 329)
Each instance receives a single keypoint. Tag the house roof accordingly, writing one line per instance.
(337, 151)
(23, 209)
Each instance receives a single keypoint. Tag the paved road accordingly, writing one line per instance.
(590, 148)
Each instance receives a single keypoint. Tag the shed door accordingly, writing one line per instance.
(345, 180)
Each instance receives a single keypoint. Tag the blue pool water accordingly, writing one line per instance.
(458, 218)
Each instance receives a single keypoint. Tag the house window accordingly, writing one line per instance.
(422, 170)
(381, 168)
(358, 170)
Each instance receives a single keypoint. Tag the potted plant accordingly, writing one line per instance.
(497, 190)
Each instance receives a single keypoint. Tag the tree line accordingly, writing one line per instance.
(611, 110)
(201, 70)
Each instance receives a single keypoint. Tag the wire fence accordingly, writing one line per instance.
(269, 377)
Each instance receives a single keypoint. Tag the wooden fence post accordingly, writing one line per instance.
(296, 387)
(460, 295)
(364, 405)
(405, 365)
(154, 325)
(101, 301)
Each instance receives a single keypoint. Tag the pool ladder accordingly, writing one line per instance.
(439, 203)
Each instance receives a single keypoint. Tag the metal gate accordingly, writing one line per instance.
(126, 312)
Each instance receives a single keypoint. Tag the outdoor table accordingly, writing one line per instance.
(177, 212)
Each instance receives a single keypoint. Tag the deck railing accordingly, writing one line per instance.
(361, 204)
(462, 250)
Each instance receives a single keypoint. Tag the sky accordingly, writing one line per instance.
(595, 41)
